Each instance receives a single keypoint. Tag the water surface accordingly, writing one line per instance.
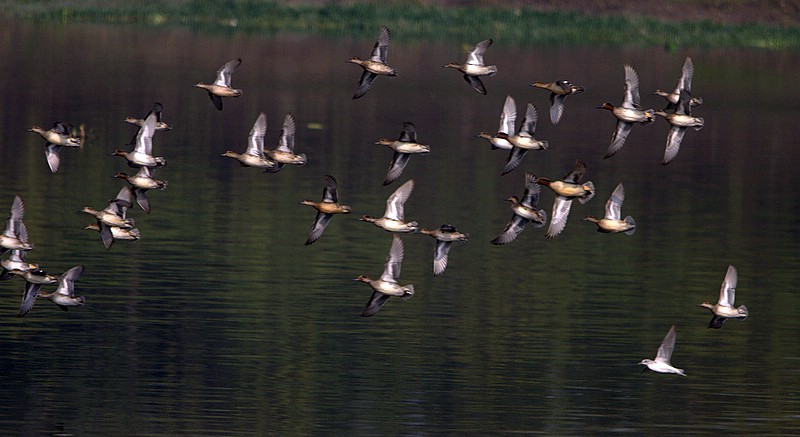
(220, 321)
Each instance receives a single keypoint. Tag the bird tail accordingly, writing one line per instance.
(590, 186)
(629, 220)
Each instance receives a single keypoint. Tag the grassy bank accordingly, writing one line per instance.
(522, 26)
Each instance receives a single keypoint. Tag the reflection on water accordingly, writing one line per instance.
(220, 320)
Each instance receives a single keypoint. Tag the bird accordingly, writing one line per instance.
(254, 155)
(403, 148)
(724, 309)
(508, 119)
(661, 363)
(114, 215)
(387, 285)
(684, 83)
(679, 120)
(566, 190)
(117, 233)
(474, 67)
(64, 295)
(34, 279)
(628, 113)
(523, 140)
(325, 209)
(284, 153)
(158, 108)
(613, 222)
(58, 136)
(142, 154)
(525, 211)
(445, 236)
(393, 219)
(222, 85)
(374, 66)
(11, 239)
(16, 263)
(142, 181)
(559, 90)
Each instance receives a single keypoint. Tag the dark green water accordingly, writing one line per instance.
(220, 322)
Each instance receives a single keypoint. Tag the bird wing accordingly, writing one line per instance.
(374, 304)
(528, 127)
(577, 172)
(286, 143)
(556, 107)
(476, 83)
(144, 138)
(561, 207)
(14, 221)
(532, 191)
(440, 256)
(514, 159)
(319, 227)
(364, 83)
(619, 137)
(53, 159)
(614, 203)
(216, 100)
(674, 138)
(395, 202)
(224, 73)
(727, 293)
(141, 199)
(106, 235)
(684, 105)
(475, 56)
(396, 166)
(28, 298)
(381, 46)
(255, 141)
(716, 321)
(329, 193)
(666, 347)
(120, 204)
(508, 118)
(631, 99)
(687, 72)
(512, 230)
(409, 134)
(157, 109)
(391, 270)
(67, 279)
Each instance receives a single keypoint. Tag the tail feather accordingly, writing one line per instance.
(588, 197)
(629, 220)
(538, 225)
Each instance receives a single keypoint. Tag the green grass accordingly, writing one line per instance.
(520, 26)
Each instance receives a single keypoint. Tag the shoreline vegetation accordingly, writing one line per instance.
(518, 23)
